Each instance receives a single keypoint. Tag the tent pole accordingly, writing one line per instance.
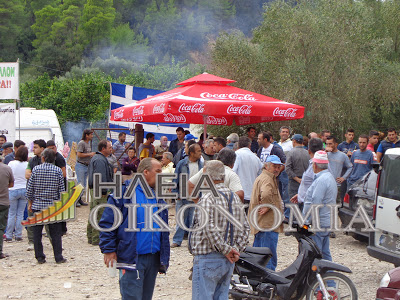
(205, 128)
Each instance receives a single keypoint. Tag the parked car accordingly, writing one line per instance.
(362, 192)
(389, 288)
(384, 242)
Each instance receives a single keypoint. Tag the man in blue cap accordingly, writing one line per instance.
(266, 191)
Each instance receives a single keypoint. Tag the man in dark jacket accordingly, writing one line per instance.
(177, 143)
(99, 164)
(139, 255)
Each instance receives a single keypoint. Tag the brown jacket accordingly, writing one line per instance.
(266, 191)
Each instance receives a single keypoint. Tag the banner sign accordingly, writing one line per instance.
(7, 120)
(9, 81)
(120, 95)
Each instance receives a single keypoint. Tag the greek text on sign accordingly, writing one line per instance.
(9, 81)
(159, 109)
(287, 113)
(233, 96)
(211, 120)
(239, 110)
(174, 118)
(195, 108)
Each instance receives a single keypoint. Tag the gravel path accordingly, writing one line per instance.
(85, 275)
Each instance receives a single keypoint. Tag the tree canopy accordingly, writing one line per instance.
(339, 59)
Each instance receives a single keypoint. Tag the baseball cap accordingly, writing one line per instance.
(298, 138)
(189, 137)
(321, 157)
(7, 145)
(274, 159)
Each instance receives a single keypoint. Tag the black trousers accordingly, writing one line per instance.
(56, 241)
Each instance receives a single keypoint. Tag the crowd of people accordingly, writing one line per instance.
(254, 169)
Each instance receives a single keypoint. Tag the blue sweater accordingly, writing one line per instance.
(362, 164)
(128, 245)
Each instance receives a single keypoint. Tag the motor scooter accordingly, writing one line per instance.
(308, 276)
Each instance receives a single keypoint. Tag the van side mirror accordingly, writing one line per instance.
(376, 166)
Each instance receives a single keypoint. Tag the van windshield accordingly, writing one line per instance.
(389, 183)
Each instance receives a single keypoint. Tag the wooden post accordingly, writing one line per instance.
(139, 135)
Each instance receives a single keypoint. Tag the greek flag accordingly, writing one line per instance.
(121, 95)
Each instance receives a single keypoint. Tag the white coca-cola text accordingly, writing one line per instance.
(196, 108)
(211, 120)
(136, 111)
(233, 96)
(174, 118)
(239, 109)
(118, 114)
(158, 109)
(287, 113)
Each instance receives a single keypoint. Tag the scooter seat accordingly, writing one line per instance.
(258, 250)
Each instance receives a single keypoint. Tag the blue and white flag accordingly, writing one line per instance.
(121, 95)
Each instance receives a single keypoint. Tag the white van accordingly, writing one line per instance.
(38, 124)
(384, 243)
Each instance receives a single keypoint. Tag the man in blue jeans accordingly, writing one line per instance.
(139, 255)
(266, 191)
(84, 155)
(323, 191)
(216, 251)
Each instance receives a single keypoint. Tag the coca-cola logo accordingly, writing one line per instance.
(174, 118)
(287, 113)
(196, 108)
(158, 109)
(136, 111)
(164, 97)
(233, 96)
(211, 120)
(118, 114)
(243, 120)
(239, 109)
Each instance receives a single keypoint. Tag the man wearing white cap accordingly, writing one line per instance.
(323, 191)
(266, 191)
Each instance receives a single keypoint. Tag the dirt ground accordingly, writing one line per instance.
(85, 275)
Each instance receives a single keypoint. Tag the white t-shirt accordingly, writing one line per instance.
(286, 145)
(232, 180)
(193, 168)
(18, 168)
(265, 152)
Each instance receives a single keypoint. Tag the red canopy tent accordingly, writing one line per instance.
(208, 99)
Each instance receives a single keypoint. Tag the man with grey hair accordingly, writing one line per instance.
(232, 180)
(323, 191)
(162, 148)
(215, 252)
(209, 151)
(247, 166)
(167, 163)
(43, 188)
(231, 140)
(141, 254)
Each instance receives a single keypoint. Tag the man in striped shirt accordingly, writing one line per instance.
(215, 252)
(44, 187)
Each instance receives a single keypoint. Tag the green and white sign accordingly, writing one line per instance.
(9, 81)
